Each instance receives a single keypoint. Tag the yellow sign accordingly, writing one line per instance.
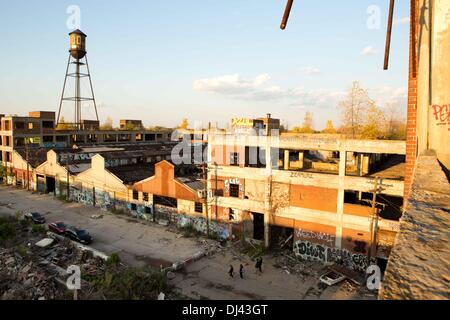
(242, 122)
(33, 140)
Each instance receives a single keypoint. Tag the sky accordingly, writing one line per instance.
(205, 60)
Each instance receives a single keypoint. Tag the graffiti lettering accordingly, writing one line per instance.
(310, 251)
(442, 114)
(306, 234)
(295, 174)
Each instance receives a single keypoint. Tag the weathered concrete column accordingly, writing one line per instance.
(365, 164)
(286, 159)
(268, 192)
(340, 197)
(300, 159)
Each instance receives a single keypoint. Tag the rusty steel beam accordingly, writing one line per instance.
(287, 12)
(388, 34)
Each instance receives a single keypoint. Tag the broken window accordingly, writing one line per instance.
(165, 201)
(133, 207)
(232, 215)
(135, 195)
(19, 125)
(47, 124)
(145, 196)
(234, 190)
(234, 158)
(199, 207)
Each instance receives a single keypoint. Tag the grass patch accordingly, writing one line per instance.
(21, 250)
(253, 250)
(40, 229)
(113, 260)
(7, 229)
(131, 284)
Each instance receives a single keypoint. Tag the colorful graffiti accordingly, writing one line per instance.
(343, 257)
(200, 225)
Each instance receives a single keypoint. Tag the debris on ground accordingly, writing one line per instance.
(35, 268)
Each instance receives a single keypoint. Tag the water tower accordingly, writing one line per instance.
(78, 61)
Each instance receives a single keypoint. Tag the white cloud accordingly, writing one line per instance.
(311, 71)
(369, 51)
(230, 84)
(386, 95)
(400, 21)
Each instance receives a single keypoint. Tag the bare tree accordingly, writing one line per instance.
(354, 109)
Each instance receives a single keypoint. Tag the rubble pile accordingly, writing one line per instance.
(23, 279)
(291, 264)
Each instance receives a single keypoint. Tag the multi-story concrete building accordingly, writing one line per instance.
(38, 129)
(273, 188)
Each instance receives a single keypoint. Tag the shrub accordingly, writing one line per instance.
(39, 229)
(113, 260)
(21, 250)
(7, 229)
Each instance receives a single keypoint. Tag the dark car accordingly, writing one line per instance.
(78, 235)
(57, 227)
(36, 217)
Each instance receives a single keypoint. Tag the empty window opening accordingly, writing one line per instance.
(165, 201)
(234, 190)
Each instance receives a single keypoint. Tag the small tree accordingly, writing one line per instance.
(2, 172)
(107, 125)
(62, 125)
(184, 124)
(329, 128)
(354, 109)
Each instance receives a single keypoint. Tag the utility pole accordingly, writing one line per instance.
(374, 213)
(205, 196)
(215, 190)
(28, 165)
(68, 176)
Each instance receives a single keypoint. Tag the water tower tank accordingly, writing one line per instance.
(77, 44)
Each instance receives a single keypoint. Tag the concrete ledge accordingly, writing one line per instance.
(418, 266)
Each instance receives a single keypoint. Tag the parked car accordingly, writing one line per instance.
(36, 217)
(78, 235)
(57, 227)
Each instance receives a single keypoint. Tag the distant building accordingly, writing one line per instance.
(131, 124)
(38, 129)
(259, 126)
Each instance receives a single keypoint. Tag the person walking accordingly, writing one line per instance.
(241, 271)
(231, 271)
(258, 265)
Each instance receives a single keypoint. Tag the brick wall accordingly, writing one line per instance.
(411, 127)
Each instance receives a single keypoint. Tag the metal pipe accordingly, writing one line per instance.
(287, 12)
(388, 34)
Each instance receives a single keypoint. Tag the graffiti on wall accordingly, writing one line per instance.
(296, 174)
(312, 251)
(199, 224)
(441, 115)
(315, 236)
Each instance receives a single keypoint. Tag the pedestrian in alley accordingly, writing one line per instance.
(241, 271)
(258, 265)
(231, 271)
